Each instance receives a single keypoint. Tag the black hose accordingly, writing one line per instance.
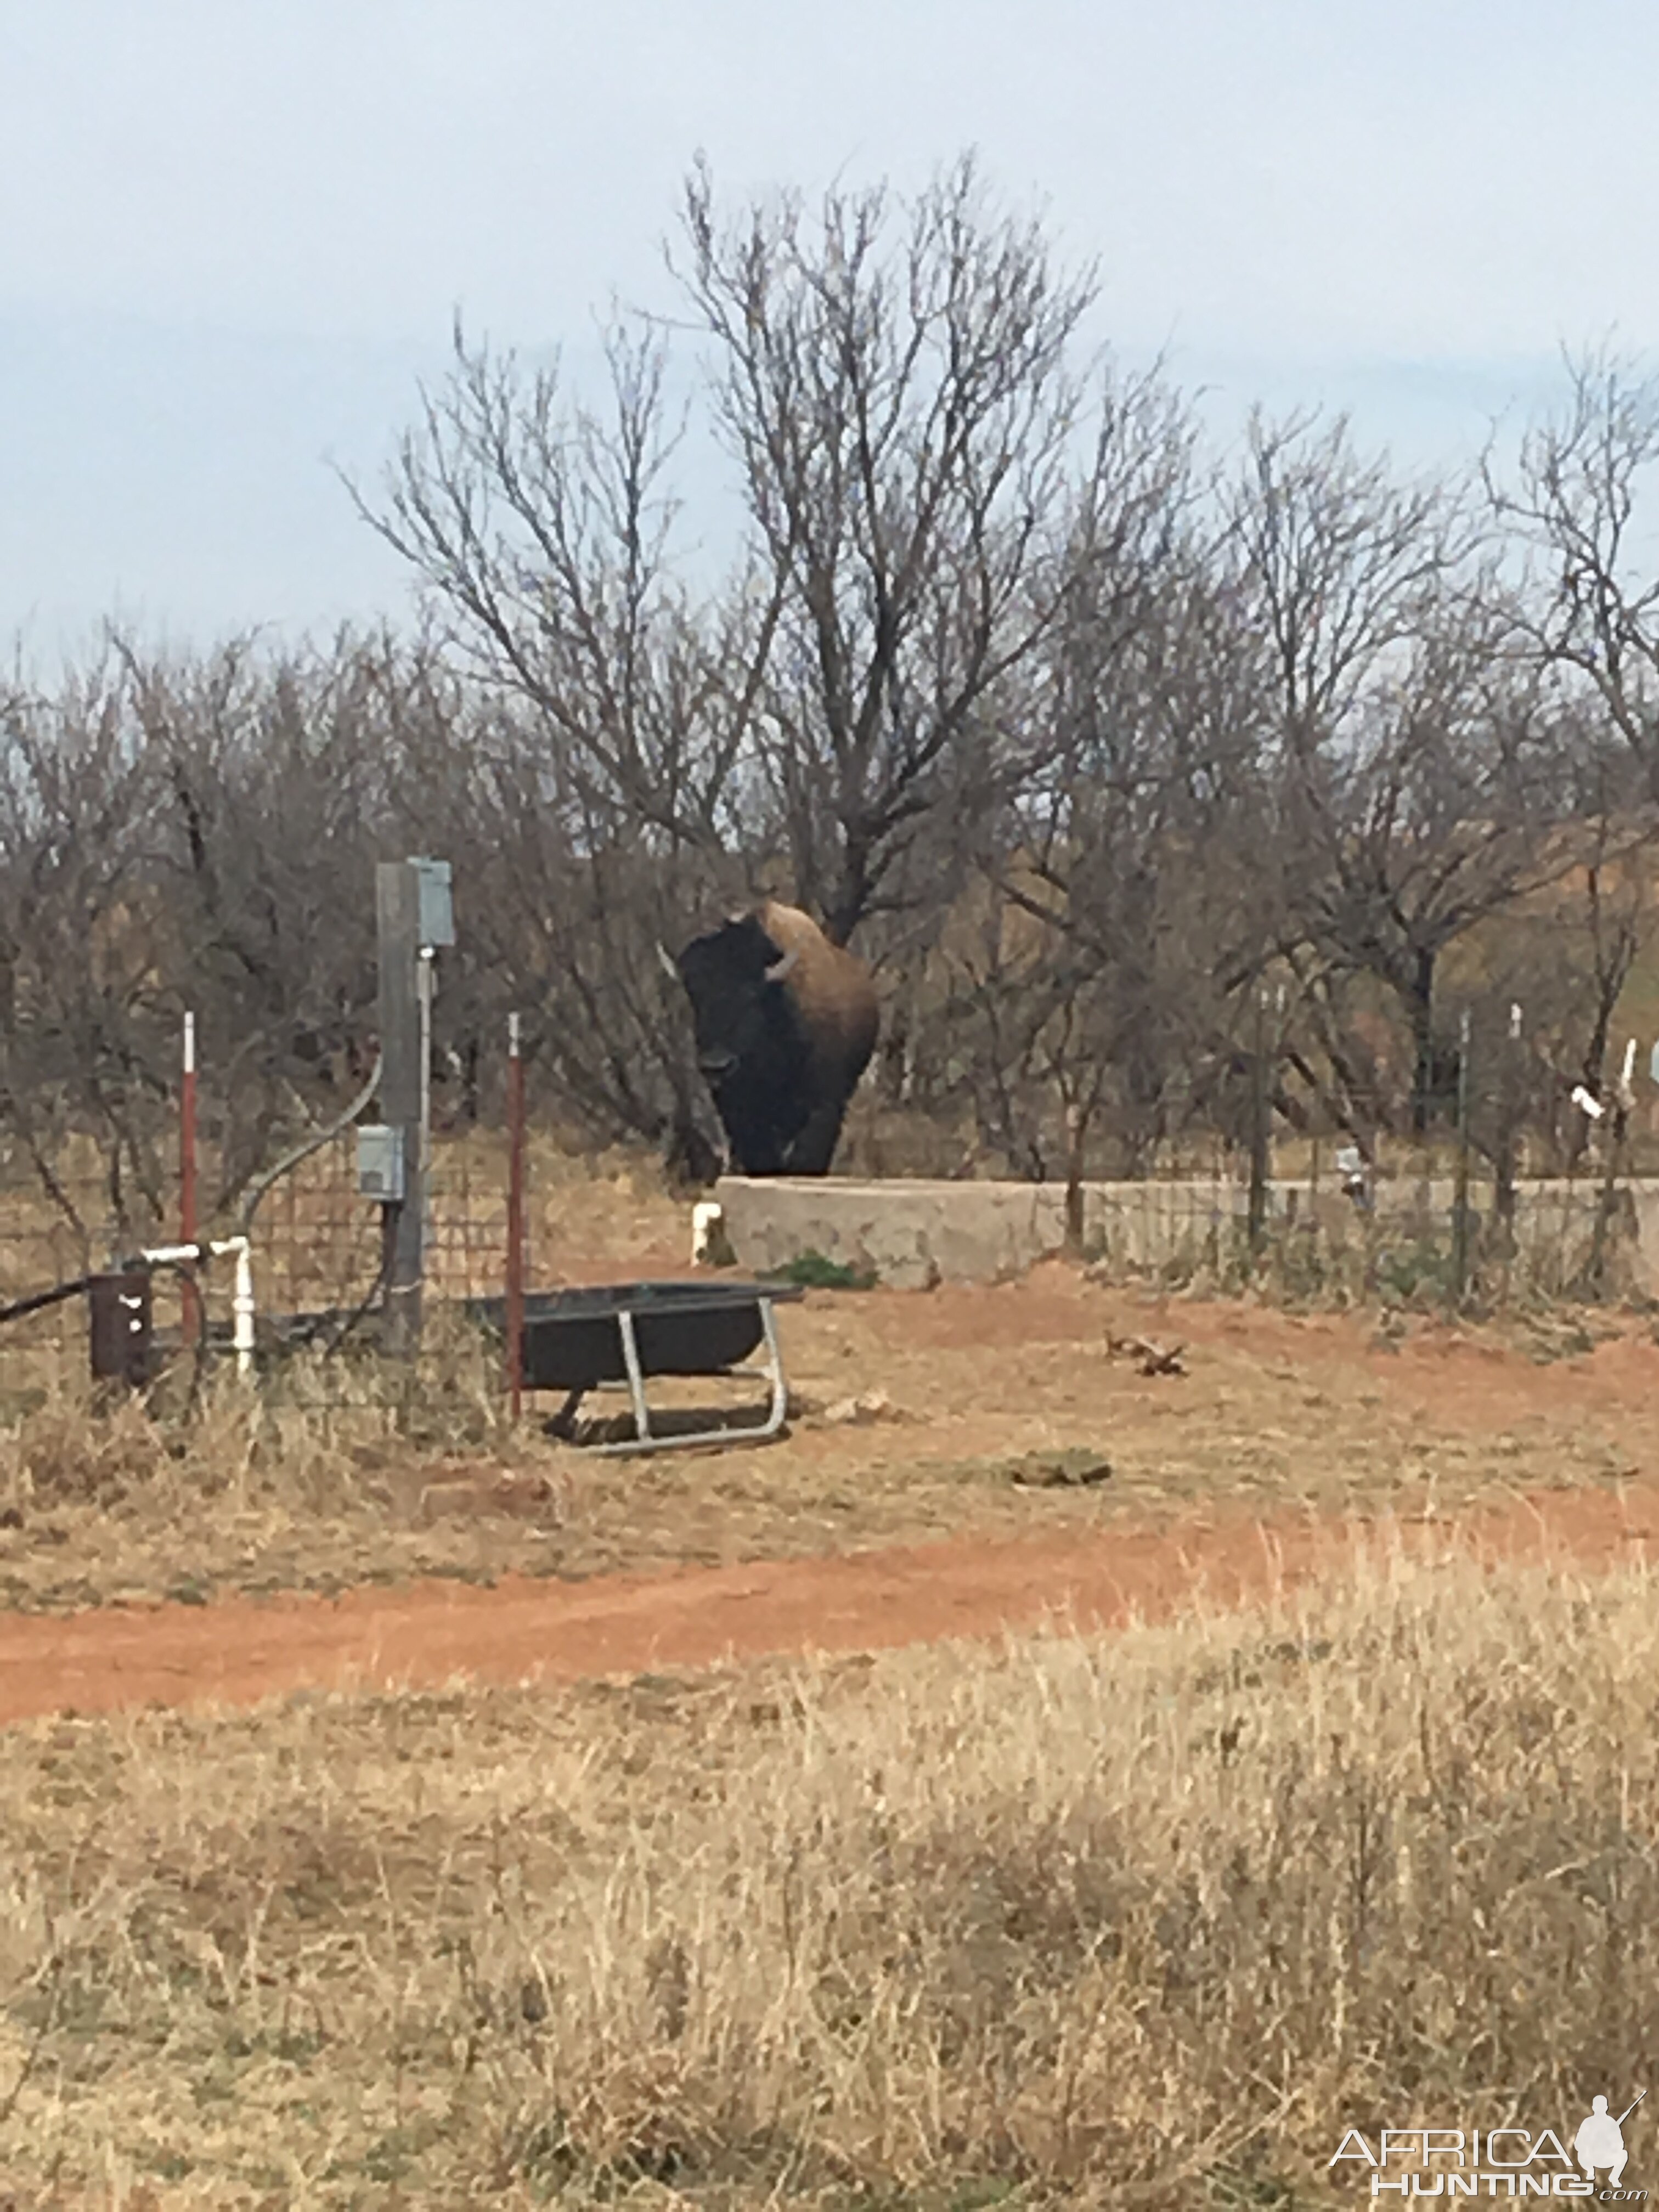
(43, 1298)
(376, 1290)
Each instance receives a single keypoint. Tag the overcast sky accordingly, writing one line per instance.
(234, 231)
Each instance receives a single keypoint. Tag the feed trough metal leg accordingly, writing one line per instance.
(636, 1378)
(775, 1371)
(643, 1441)
(563, 1423)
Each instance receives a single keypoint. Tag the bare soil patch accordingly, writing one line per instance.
(432, 1633)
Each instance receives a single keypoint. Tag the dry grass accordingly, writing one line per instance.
(319, 1476)
(1153, 1917)
(335, 1472)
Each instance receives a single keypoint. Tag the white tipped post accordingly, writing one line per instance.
(707, 1229)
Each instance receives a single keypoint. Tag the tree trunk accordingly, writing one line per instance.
(849, 901)
(894, 1062)
(1419, 1013)
(1260, 1137)
(1077, 1130)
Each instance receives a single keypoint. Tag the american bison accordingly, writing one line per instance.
(786, 1022)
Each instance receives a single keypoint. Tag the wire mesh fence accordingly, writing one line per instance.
(1414, 1238)
(316, 1254)
(318, 1239)
(59, 1220)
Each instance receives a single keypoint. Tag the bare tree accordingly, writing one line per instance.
(1088, 744)
(86, 1042)
(1568, 963)
(541, 531)
(569, 900)
(1415, 755)
(270, 771)
(894, 382)
(1136, 839)
(1592, 610)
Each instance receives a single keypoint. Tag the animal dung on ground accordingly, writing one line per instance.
(1071, 1468)
(1151, 1359)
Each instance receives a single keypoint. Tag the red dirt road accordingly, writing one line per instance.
(240, 1651)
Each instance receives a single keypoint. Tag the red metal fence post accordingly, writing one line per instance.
(191, 1314)
(515, 1218)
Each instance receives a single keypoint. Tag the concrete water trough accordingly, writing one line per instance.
(910, 1233)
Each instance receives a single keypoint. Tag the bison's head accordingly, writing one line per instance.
(731, 977)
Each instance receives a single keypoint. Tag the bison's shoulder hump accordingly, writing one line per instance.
(833, 990)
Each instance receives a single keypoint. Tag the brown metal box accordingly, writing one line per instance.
(118, 1308)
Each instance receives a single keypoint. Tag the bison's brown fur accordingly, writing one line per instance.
(833, 989)
(786, 1022)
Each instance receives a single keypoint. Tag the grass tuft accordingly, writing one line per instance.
(813, 1271)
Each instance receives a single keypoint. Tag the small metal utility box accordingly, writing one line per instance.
(381, 1163)
(434, 902)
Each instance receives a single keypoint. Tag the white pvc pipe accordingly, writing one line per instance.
(241, 1297)
(241, 1307)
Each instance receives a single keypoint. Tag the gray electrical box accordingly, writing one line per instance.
(435, 902)
(381, 1163)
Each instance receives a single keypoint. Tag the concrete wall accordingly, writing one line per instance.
(913, 1234)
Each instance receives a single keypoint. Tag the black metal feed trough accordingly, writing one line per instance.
(575, 1341)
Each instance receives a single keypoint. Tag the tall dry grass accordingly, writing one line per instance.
(309, 1477)
(302, 1421)
(1149, 1919)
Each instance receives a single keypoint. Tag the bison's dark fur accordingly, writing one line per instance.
(786, 1022)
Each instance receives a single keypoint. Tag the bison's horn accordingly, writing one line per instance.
(667, 960)
(780, 969)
